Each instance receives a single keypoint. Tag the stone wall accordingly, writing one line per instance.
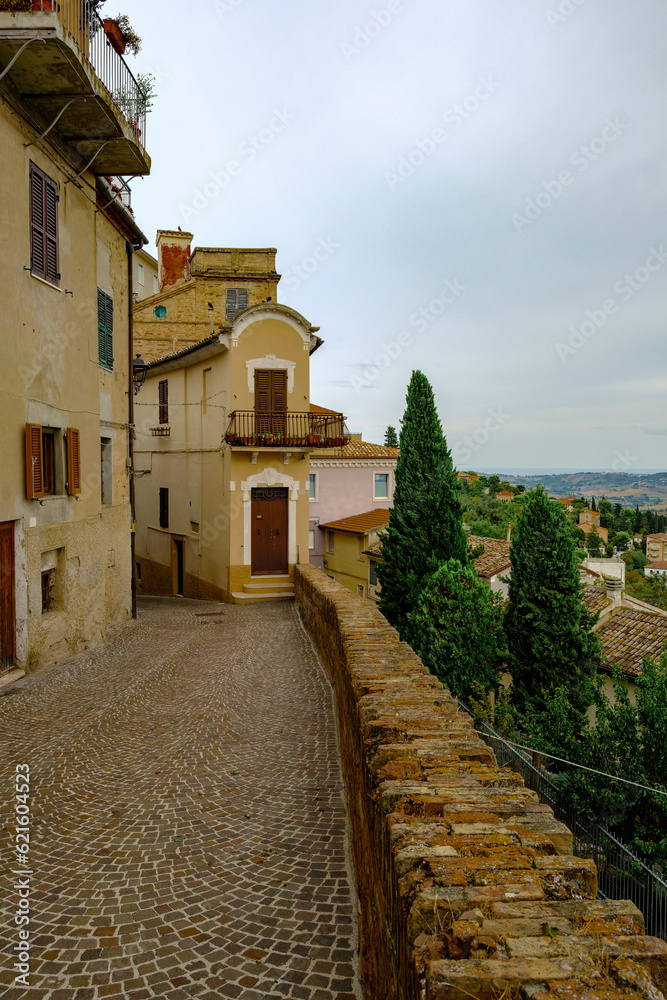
(467, 884)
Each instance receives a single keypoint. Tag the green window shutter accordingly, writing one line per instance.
(105, 328)
(37, 233)
(51, 230)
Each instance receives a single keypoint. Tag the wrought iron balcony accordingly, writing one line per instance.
(250, 429)
(63, 64)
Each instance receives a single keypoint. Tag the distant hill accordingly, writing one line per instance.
(626, 488)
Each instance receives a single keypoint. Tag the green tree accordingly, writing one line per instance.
(622, 539)
(629, 741)
(593, 543)
(391, 437)
(426, 520)
(457, 630)
(549, 631)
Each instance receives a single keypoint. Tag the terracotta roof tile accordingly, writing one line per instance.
(494, 559)
(363, 449)
(359, 524)
(595, 598)
(314, 408)
(628, 636)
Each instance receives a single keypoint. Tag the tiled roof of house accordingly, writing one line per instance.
(360, 449)
(359, 524)
(314, 408)
(595, 598)
(660, 537)
(658, 564)
(628, 635)
(494, 559)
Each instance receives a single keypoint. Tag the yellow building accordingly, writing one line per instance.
(224, 431)
(589, 520)
(65, 372)
(346, 542)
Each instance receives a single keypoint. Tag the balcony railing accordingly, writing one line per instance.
(87, 29)
(248, 428)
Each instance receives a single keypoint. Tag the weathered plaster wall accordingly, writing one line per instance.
(467, 884)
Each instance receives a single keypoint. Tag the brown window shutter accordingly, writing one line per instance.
(279, 391)
(34, 465)
(37, 223)
(163, 400)
(51, 230)
(262, 391)
(73, 462)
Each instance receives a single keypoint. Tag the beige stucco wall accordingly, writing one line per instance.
(50, 374)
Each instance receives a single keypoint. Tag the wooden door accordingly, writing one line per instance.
(268, 514)
(270, 401)
(7, 610)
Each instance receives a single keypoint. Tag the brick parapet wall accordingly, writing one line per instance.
(467, 884)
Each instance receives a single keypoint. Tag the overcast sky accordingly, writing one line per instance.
(474, 188)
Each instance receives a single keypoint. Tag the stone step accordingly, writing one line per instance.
(262, 596)
(270, 584)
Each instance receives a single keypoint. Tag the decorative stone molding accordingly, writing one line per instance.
(269, 477)
(270, 361)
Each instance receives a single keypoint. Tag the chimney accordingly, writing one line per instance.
(355, 437)
(614, 588)
(173, 257)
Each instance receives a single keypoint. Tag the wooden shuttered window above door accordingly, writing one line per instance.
(270, 400)
(73, 461)
(43, 226)
(34, 462)
(270, 391)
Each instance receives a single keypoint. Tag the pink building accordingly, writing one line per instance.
(344, 481)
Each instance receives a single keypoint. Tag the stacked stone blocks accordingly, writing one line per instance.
(467, 884)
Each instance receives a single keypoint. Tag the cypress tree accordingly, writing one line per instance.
(549, 630)
(391, 437)
(426, 521)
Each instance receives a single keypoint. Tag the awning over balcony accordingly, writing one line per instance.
(253, 429)
(63, 67)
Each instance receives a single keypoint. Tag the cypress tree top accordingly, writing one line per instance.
(426, 522)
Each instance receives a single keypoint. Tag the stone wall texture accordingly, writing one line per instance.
(467, 884)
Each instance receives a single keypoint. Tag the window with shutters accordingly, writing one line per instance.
(164, 507)
(43, 226)
(270, 400)
(163, 400)
(49, 472)
(237, 299)
(105, 328)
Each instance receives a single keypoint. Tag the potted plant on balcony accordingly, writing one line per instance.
(121, 34)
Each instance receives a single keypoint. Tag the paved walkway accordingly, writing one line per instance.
(188, 830)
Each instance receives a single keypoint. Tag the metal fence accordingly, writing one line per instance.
(86, 27)
(286, 429)
(621, 874)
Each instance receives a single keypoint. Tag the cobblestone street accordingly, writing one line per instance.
(187, 820)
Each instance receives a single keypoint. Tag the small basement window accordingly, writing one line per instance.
(48, 590)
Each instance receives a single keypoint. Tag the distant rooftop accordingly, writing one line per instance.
(359, 524)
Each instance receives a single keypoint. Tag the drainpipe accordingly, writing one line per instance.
(130, 419)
